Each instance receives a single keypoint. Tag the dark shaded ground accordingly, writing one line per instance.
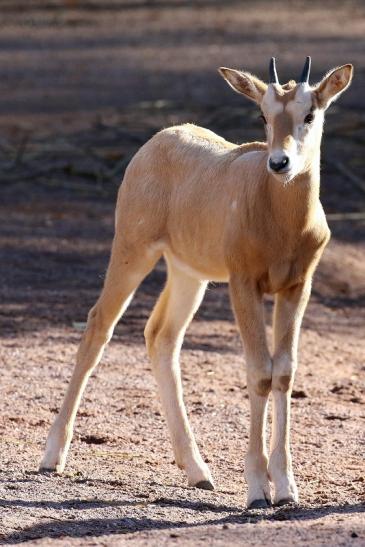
(80, 90)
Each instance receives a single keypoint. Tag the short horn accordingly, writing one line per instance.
(272, 70)
(304, 79)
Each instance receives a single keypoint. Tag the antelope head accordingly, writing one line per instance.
(293, 113)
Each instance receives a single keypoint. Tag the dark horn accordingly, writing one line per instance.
(273, 74)
(304, 79)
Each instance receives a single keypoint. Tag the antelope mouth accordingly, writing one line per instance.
(285, 176)
(284, 171)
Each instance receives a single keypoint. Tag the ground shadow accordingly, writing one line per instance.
(100, 527)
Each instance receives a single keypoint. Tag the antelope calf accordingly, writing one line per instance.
(248, 214)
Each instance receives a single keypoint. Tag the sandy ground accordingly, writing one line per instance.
(120, 483)
(64, 143)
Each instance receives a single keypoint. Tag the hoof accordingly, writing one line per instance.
(204, 485)
(259, 504)
(46, 470)
(57, 470)
(285, 501)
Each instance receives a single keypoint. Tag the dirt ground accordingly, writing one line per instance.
(80, 90)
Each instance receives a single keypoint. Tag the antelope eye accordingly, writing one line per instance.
(309, 118)
(263, 118)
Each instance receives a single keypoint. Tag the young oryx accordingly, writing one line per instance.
(247, 214)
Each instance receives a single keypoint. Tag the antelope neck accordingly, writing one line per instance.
(296, 203)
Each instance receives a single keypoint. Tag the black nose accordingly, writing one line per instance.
(280, 164)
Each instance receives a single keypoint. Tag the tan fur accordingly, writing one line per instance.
(286, 92)
(283, 130)
(215, 212)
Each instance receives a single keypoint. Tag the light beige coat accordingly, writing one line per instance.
(217, 211)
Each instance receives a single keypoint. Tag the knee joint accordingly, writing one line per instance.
(97, 327)
(150, 334)
(283, 372)
(158, 338)
(282, 383)
(263, 387)
(259, 376)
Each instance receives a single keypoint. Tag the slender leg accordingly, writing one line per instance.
(289, 309)
(247, 304)
(126, 270)
(164, 336)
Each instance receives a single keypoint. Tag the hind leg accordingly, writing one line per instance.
(126, 270)
(164, 336)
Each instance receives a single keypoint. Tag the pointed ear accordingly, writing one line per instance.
(244, 83)
(333, 84)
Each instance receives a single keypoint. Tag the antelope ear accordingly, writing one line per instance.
(333, 84)
(244, 83)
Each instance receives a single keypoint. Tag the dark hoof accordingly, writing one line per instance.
(285, 501)
(46, 470)
(259, 504)
(204, 485)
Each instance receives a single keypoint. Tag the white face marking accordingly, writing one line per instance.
(270, 102)
(300, 134)
(301, 104)
(299, 108)
(271, 106)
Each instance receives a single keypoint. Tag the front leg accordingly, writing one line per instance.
(290, 305)
(248, 308)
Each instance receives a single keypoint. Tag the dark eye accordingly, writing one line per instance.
(309, 118)
(263, 118)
